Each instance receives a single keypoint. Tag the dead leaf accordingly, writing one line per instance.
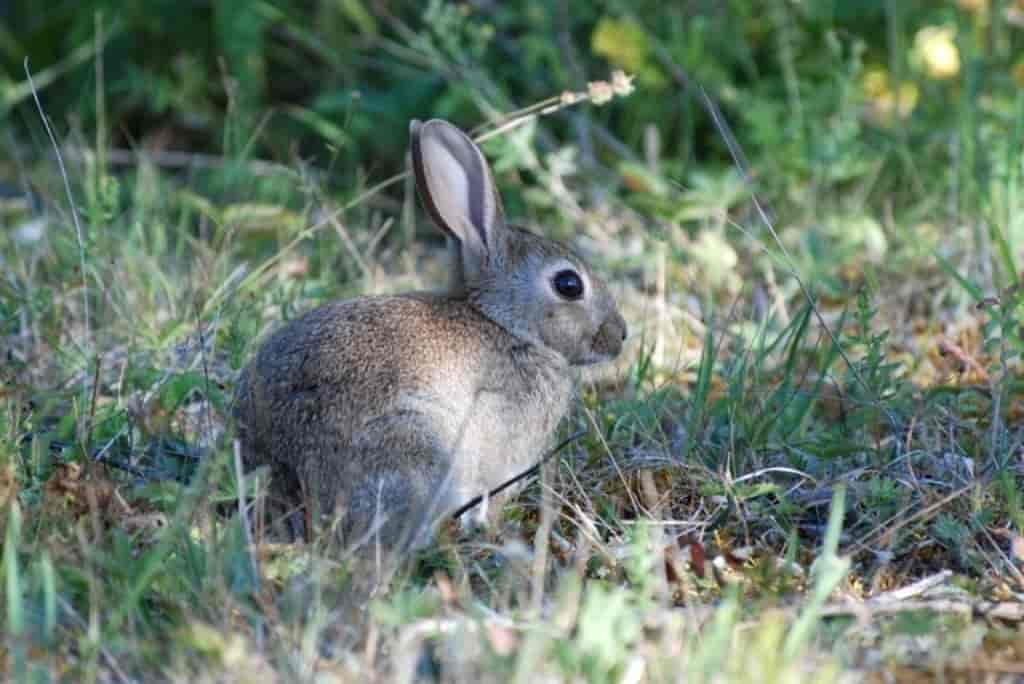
(70, 493)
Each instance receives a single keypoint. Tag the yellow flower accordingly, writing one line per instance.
(884, 102)
(875, 82)
(936, 53)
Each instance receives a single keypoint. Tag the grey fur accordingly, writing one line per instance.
(392, 411)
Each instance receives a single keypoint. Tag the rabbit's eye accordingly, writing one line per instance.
(568, 284)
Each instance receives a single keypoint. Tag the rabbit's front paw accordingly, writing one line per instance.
(481, 519)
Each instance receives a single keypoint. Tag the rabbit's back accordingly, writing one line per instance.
(353, 389)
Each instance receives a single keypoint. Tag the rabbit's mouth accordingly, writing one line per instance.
(593, 359)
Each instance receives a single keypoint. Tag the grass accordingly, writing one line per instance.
(805, 467)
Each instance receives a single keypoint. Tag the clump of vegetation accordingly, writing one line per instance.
(807, 464)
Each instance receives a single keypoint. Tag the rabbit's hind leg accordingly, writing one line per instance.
(396, 510)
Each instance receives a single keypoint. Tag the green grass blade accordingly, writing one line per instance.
(12, 577)
(828, 571)
(49, 587)
(698, 406)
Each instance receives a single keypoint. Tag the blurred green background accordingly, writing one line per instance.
(821, 92)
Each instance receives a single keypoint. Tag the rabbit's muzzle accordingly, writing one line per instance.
(608, 341)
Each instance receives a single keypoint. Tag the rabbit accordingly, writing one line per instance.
(392, 411)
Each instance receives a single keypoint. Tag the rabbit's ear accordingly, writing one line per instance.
(457, 190)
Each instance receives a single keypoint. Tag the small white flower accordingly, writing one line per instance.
(600, 92)
(622, 83)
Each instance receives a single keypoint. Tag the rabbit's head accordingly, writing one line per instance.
(537, 289)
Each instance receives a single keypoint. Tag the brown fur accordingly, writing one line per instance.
(392, 411)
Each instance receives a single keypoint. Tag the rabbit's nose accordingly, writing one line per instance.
(611, 335)
(619, 322)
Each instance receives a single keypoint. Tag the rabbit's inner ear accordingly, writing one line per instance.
(456, 188)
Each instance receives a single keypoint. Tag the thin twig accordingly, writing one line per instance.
(71, 202)
(737, 156)
(916, 589)
(529, 472)
(1009, 610)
